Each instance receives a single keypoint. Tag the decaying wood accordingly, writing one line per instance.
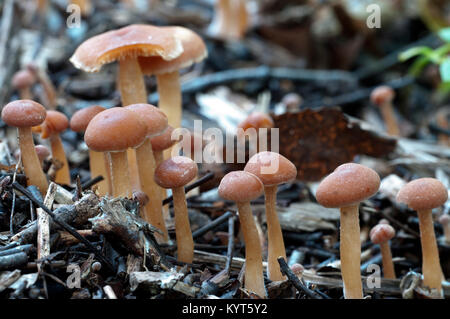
(43, 224)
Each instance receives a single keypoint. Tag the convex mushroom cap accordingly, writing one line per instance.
(381, 233)
(115, 129)
(54, 123)
(271, 168)
(257, 120)
(382, 94)
(175, 172)
(240, 186)
(163, 141)
(423, 194)
(81, 118)
(23, 113)
(154, 118)
(23, 79)
(131, 41)
(349, 184)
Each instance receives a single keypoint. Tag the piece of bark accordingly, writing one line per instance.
(43, 224)
(13, 261)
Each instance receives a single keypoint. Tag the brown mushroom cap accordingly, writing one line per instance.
(240, 186)
(349, 184)
(194, 51)
(131, 41)
(163, 141)
(381, 233)
(257, 120)
(23, 113)
(175, 172)
(382, 94)
(42, 152)
(54, 123)
(285, 172)
(423, 194)
(80, 119)
(154, 118)
(115, 129)
(23, 79)
(444, 219)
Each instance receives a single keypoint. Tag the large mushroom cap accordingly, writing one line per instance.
(23, 79)
(240, 186)
(115, 129)
(175, 172)
(271, 168)
(257, 120)
(381, 233)
(163, 141)
(382, 94)
(154, 118)
(194, 51)
(80, 119)
(423, 194)
(131, 41)
(349, 184)
(54, 123)
(23, 113)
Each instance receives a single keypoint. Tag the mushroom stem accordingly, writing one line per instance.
(275, 236)
(351, 252)
(388, 265)
(63, 174)
(146, 168)
(254, 280)
(25, 93)
(98, 166)
(389, 118)
(159, 158)
(119, 174)
(30, 160)
(185, 242)
(432, 275)
(170, 97)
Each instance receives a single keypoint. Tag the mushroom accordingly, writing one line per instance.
(381, 234)
(422, 195)
(167, 71)
(23, 80)
(113, 131)
(444, 220)
(98, 162)
(382, 96)
(42, 152)
(24, 114)
(230, 20)
(345, 188)
(156, 122)
(255, 120)
(54, 124)
(272, 169)
(47, 85)
(175, 173)
(242, 187)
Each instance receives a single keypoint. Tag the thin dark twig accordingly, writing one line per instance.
(88, 184)
(64, 225)
(216, 222)
(190, 187)
(230, 248)
(285, 270)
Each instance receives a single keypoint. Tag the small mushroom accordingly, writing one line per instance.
(381, 234)
(54, 124)
(256, 120)
(156, 122)
(230, 19)
(113, 131)
(42, 152)
(242, 187)
(23, 80)
(444, 220)
(272, 169)
(422, 195)
(98, 162)
(24, 114)
(345, 188)
(175, 173)
(382, 96)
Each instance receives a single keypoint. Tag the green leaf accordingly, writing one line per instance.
(415, 51)
(444, 69)
(444, 34)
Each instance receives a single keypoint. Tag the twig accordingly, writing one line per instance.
(92, 182)
(64, 225)
(285, 270)
(230, 249)
(216, 222)
(43, 222)
(200, 181)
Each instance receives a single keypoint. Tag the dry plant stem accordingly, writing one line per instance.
(170, 100)
(275, 236)
(431, 268)
(119, 174)
(388, 265)
(254, 280)
(146, 169)
(351, 252)
(63, 174)
(183, 233)
(30, 160)
(97, 165)
(389, 118)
